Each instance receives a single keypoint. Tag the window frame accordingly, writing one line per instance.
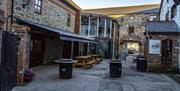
(173, 11)
(68, 20)
(38, 4)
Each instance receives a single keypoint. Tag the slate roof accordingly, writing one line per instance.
(177, 2)
(162, 26)
(121, 10)
(148, 11)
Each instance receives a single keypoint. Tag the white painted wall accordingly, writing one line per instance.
(167, 7)
(178, 16)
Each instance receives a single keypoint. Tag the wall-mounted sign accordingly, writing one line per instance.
(154, 46)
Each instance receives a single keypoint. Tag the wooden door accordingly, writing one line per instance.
(166, 51)
(67, 49)
(36, 53)
(8, 64)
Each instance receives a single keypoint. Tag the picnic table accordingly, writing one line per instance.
(84, 61)
(95, 58)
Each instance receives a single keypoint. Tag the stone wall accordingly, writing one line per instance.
(138, 21)
(53, 14)
(154, 61)
(52, 49)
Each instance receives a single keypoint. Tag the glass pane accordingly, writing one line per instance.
(84, 25)
(101, 26)
(108, 24)
(93, 26)
(39, 3)
(36, 2)
(112, 33)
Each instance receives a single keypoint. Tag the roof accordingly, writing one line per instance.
(64, 35)
(148, 11)
(121, 10)
(162, 26)
(71, 4)
(177, 2)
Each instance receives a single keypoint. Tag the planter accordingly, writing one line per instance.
(65, 68)
(115, 68)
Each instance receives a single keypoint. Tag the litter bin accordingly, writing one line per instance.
(139, 56)
(115, 68)
(65, 68)
(141, 64)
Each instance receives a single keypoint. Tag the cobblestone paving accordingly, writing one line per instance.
(97, 79)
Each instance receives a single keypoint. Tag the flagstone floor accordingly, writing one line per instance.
(97, 79)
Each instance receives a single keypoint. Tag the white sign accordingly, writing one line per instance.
(154, 46)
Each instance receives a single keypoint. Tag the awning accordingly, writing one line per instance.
(64, 35)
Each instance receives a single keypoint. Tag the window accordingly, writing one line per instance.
(101, 26)
(167, 16)
(108, 27)
(84, 25)
(69, 20)
(131, 18)
(173, 11)
(131, 30)
(38, 6)
(93, 25)
(151, 18)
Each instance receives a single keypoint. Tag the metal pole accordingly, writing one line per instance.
(72, 49)
(88, 48)
(89, 26)
(97, 27)
(105, 28)
(114, 37)
(110, 29)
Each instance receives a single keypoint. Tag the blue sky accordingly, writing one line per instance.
(89, 4)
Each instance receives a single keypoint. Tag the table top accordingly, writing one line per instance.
(83, 57)
(65, 61)
(94, 55)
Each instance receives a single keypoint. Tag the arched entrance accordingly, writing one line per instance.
(131, 44)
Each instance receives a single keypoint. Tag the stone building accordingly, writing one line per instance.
(132, 21)
(132, 29)
(163, 37)
(104, 29)
(47, 30)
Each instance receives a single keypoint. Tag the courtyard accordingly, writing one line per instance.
(97, 79)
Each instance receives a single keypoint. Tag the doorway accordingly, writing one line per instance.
(166, 51)
(36, 51)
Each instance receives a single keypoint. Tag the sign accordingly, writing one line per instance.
(154, 46)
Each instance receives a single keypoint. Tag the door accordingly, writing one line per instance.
(67, 49)
(166, 51)
(36, 52)
(8, 64)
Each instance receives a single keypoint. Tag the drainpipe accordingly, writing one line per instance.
(10, 16)
(12, 11)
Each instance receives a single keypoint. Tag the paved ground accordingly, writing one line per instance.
(97, 79)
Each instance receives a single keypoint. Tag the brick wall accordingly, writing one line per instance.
(154, 61)
(23, 51)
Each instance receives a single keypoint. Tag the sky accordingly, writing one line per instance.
(90, 4)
